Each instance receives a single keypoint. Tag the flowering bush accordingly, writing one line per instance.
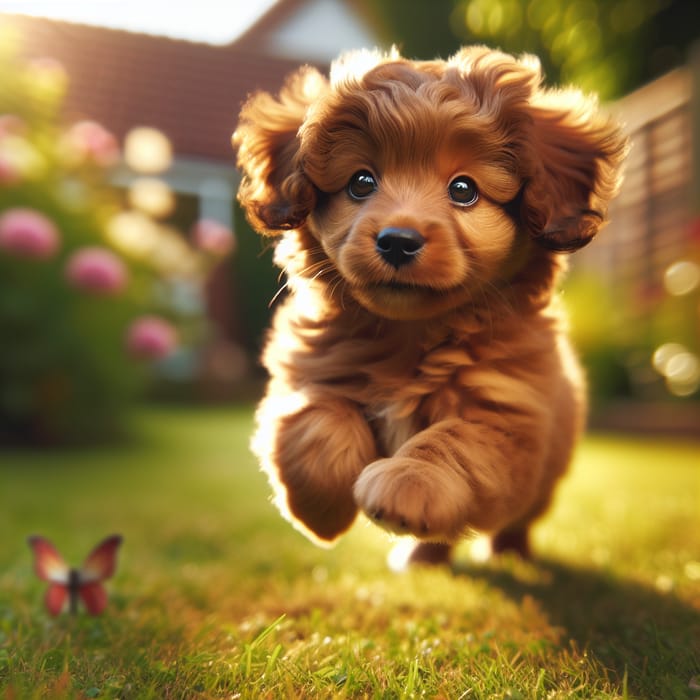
(86, 289)
(212, 237)
(28, 234)
(151, 337)
(96, 269)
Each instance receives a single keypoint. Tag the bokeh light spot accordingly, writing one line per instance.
(133, 233)
(152, 196)
(682, 277)
(147, 150)
(664, 354)
(679, 367)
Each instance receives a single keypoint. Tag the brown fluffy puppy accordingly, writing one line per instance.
(419, 366)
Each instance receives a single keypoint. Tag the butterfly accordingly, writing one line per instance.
(67, 584)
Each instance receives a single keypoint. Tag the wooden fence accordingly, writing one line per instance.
(650, 219)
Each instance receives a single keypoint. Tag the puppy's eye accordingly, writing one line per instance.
(362, 184)
(462, 190)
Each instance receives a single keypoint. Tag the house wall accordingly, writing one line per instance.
(319, 31)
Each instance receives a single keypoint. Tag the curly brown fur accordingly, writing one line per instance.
(419, 366)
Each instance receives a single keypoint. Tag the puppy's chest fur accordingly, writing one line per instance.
(401, 403)
(408, 376)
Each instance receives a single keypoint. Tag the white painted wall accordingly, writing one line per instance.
(319, 31)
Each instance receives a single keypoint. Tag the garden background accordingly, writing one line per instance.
(133, 300)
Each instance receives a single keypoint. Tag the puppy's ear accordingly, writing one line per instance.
(274, 191)
(576, 155)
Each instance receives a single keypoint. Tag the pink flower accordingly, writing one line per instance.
(213, 237)
(151, 337)
(92, 142)
(28, 233)
(97, 270)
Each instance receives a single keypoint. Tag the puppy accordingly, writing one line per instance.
(419, 366)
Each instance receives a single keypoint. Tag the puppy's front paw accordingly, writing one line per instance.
(409, 496)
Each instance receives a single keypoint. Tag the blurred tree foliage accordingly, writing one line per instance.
(606, 46)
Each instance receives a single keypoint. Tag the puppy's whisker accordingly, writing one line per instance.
(313, 268)
(323, 271)
(268, 246)
(338, 285)
(277, 295)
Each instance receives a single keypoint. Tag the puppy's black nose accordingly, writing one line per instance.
(398, 246)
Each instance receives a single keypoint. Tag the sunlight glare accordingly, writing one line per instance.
(213, 21)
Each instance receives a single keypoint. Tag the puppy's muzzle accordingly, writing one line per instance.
(399, 246)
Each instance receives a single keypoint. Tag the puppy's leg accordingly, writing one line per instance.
(313, 454)
(515, 539)
(515, 536)
(431, 553)
(454, 476)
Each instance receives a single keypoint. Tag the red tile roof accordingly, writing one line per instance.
(190, 91)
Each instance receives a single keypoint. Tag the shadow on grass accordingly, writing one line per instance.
(651, 637)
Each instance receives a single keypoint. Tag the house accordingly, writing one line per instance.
(192, 92)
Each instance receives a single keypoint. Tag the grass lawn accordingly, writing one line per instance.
(216, 596)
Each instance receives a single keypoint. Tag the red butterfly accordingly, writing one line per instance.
(67, 584)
